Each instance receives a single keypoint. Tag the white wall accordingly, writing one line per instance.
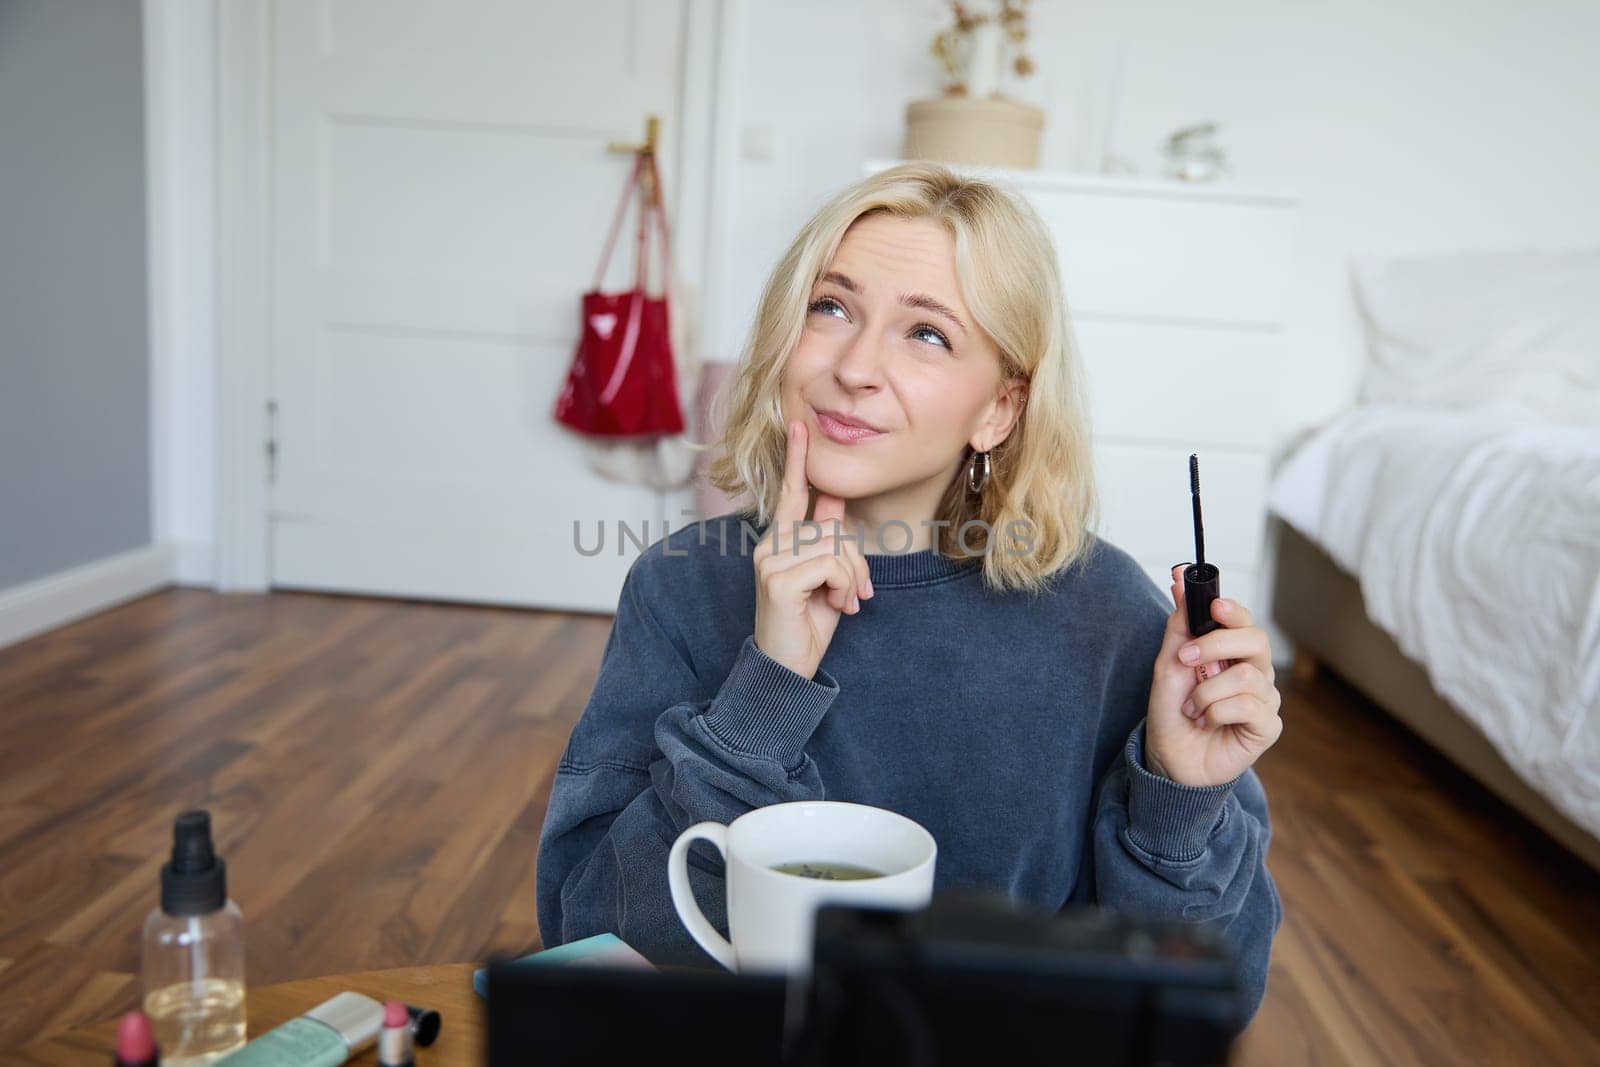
(1404, 125)
(180, 117)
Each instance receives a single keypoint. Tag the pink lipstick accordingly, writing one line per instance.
(845, 433)
(136, 1041)
(395, 1040)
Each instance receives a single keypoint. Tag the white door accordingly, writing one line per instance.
(442, 187)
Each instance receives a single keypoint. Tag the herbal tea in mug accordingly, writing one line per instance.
(833, 872)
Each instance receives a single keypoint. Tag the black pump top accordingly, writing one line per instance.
(195, 881)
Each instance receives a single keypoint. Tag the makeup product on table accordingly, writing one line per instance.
(328, 1034)
(136, 1042)
(425, 1023)
(394, 1043)
(192, 964)
(1201, 581)
(597, 950)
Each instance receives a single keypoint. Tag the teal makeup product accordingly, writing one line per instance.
(325, 1036)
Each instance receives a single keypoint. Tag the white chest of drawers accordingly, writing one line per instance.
(1177, 297)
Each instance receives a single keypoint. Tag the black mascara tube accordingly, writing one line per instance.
(1202, 582)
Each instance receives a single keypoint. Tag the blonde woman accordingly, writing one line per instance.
(914, 611)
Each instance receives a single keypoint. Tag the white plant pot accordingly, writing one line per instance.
(983, 64)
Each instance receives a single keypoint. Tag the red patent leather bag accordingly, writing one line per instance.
(622, 382)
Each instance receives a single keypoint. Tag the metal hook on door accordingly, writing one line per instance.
(652, 131)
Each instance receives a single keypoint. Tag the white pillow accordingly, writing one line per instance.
(1514, 332)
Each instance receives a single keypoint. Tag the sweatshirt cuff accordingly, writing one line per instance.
(766, 709)
(1170, 820)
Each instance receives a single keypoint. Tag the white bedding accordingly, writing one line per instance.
(1476, 539)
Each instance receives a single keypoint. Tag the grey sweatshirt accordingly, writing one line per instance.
(1010, 725)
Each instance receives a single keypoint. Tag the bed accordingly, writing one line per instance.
(1438, 544)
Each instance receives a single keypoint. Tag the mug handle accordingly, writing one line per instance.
(694, 919)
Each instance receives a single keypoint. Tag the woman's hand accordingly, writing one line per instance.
(1211, 732)
(803, 586)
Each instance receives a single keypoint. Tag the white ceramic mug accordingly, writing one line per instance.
(772, 915)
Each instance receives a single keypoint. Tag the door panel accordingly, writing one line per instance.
(441, 191)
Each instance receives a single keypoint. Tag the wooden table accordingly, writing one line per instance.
(446, 988)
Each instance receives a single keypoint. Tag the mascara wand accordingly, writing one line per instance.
(1194, 499)
(1201, 580)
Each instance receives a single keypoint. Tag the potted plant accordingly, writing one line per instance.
(972, 121)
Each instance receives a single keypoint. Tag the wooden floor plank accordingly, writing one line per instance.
(378, 772)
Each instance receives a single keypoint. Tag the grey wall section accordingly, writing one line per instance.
(74, 351)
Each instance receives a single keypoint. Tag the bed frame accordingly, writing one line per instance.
(1319, 607)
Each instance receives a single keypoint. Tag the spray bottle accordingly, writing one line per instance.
(193, 961)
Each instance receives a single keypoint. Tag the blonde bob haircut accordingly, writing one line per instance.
(1040, 501)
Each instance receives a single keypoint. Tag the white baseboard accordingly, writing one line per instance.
(56, 599)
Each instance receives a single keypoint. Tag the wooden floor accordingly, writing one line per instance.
(377, 774)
